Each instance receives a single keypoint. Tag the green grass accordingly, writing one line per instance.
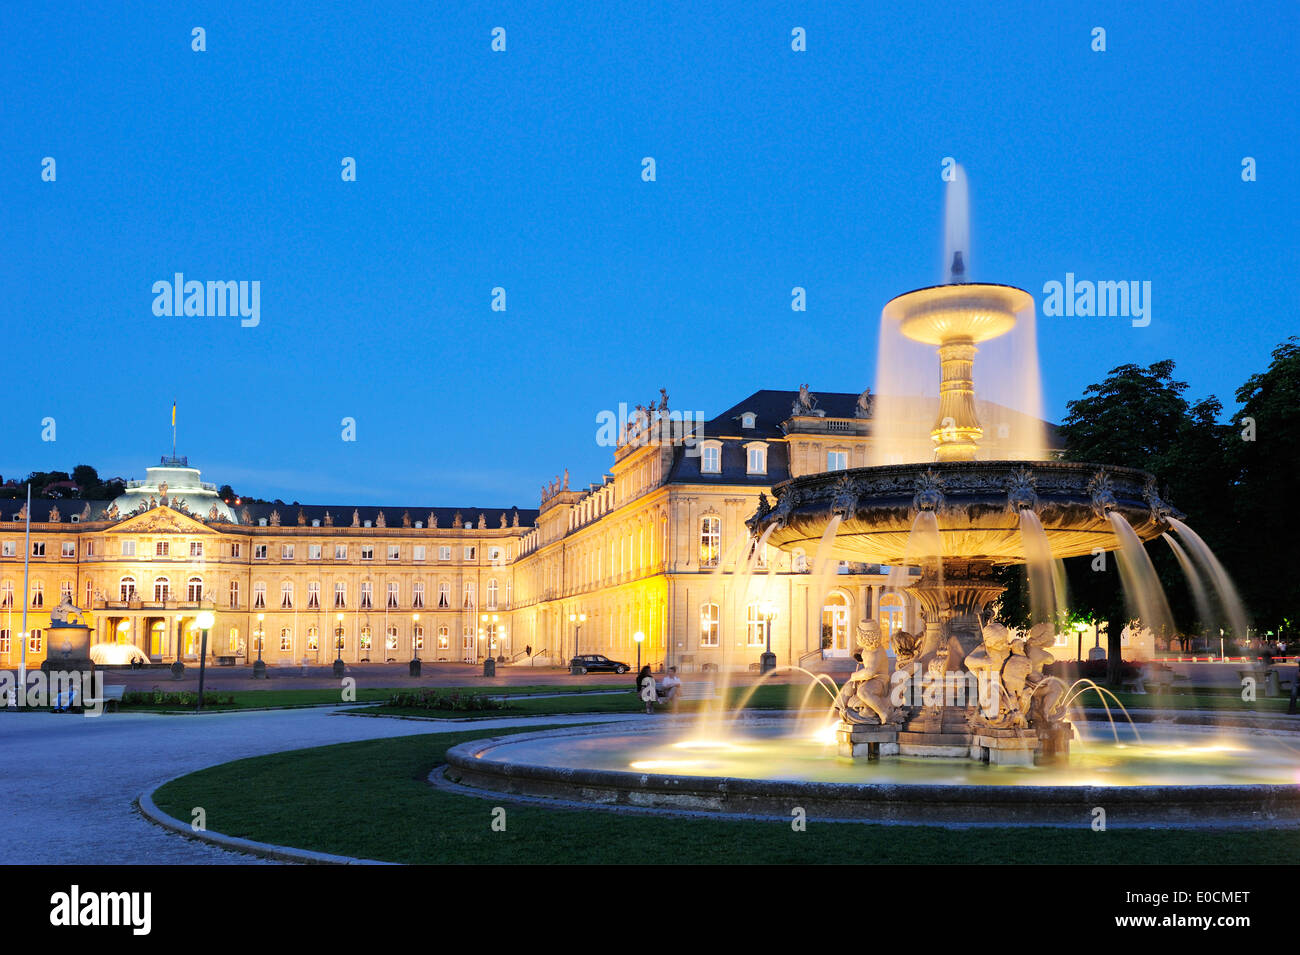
(372, 800)
(260, 699)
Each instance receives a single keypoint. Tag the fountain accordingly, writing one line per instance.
(966, 697)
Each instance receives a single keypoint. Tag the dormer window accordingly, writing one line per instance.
(711, 457)
(747, 420)
(756, 457)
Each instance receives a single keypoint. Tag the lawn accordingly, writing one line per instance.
(372, 800)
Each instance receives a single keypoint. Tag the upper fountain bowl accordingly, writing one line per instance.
(951, 313)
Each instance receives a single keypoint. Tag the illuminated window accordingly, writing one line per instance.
(390, 639)
(417, 636)
(313, 639)
(709, 625)
(286, 640)
(34, 641)
(444, 638)
(194, 589)
(711, 457)
(365, 638)
(233, 644)
(162, 589)
(710, 540)
(5, 643)
(755, 626)
(126, 588)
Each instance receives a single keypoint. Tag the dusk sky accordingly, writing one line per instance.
(523, 169)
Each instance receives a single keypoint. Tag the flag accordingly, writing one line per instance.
(173, 414)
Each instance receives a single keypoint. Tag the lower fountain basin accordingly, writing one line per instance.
(1172, 776)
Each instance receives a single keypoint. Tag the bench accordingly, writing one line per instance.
(111, 699)
(1266, 679)
(225, 660)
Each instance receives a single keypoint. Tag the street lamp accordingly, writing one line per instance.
(577, 619)
(1080, 628)
(487, 632)
(204, 622)
(339, 666)
(259, 665)
(638, 637)
(767, 662)
(415, 650)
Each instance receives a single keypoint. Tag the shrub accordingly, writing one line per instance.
(157, 697)
(456, 701)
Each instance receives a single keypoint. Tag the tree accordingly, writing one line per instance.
(1264, 444)
(1138, 417)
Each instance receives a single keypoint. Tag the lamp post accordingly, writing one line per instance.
(638, 637)
(1080, 628)
(415, 650)
(339, 666)
(767, 662)
(489, 662)
(204, 622)
(259, 665)
(577, 619)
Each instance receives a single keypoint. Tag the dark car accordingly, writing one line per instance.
(595, 663)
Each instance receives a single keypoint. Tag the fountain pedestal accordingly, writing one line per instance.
(1005, 747)
(866, 740)
(937, 731)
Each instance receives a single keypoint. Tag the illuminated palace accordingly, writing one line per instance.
(658, 547)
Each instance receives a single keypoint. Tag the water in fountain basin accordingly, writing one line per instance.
(1218, 577)
(1142, 591)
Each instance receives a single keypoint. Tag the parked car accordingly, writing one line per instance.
(596, 663)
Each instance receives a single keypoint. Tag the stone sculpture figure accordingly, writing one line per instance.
(1047, 691)
(865, 697)
(998, 707)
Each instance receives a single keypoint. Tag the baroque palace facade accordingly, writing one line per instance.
(659, 547)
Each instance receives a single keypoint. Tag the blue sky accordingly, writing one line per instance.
(522, 170)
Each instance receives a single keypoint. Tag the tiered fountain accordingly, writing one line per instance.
(965, 723)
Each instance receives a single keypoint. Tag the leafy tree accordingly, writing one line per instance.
(1265, 447)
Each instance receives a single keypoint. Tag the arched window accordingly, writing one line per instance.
(709, 625)
(286, 640)
(286, 595)
(127, 589)
(7, 594)
(417, 637)
(891, 615)
(444, 595)
(38, 593)
(392, 595)
(755, 625)
(390, 639)
(444, 638)
(162, 589)
(313, 639)
(365, 638)
(710, 540)
(194, 589)
(259, 595)
(835, 624)
(34, 641)
(313, 595)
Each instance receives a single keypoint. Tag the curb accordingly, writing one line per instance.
(266, 850)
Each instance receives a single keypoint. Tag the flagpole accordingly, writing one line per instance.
(173, 431)
(27, 557)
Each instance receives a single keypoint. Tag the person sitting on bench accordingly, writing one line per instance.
(670, 686)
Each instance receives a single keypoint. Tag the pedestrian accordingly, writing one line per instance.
(645, 686)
